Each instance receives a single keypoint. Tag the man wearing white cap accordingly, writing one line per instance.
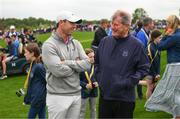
(12, 30)
(12, 27)
(64, 58)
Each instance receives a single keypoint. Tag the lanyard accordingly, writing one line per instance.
(150, 54)
(89, 77)
(27, 78)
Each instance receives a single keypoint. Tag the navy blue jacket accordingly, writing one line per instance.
(155, 66)
(121, 63)
(172, 45)
(36, 92)
(85, 93)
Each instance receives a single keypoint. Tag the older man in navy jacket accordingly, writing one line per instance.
(121, 62)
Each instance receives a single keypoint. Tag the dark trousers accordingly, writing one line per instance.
(40, 111)
(115, 109)
(139, 91)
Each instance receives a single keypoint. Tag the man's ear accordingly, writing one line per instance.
(61, 22)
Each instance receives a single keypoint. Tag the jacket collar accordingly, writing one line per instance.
(57, 36)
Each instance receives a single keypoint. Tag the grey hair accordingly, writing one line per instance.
(125, 17)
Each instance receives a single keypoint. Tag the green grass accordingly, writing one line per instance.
(11, 105)
(84, 37)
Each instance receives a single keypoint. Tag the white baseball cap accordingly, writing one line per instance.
(66, 15)
(12, 27)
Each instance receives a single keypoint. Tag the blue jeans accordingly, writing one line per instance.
(40, 111)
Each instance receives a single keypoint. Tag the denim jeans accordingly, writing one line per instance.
(40, 111)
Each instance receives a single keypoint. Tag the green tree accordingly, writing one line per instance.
(30, 22)
(139, 13)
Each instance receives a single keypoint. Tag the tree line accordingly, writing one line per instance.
(30, 22)
(34, 23)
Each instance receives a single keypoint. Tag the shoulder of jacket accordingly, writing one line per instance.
(136, 42)
(140, 33)
(39, 66)
(76, 42)
(107, 38)
(51, 42)
(133, 39)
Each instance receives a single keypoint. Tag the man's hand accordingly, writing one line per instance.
(89, 86)
(62, 62)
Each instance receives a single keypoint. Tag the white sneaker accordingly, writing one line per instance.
(3, 76)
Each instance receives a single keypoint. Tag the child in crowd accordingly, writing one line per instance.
(154, 58)
(36, 88)
(89, 89)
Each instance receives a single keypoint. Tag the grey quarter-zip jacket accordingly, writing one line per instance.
(63, 78)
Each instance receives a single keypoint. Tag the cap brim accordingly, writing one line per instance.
(75, 20)
(79, 21)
